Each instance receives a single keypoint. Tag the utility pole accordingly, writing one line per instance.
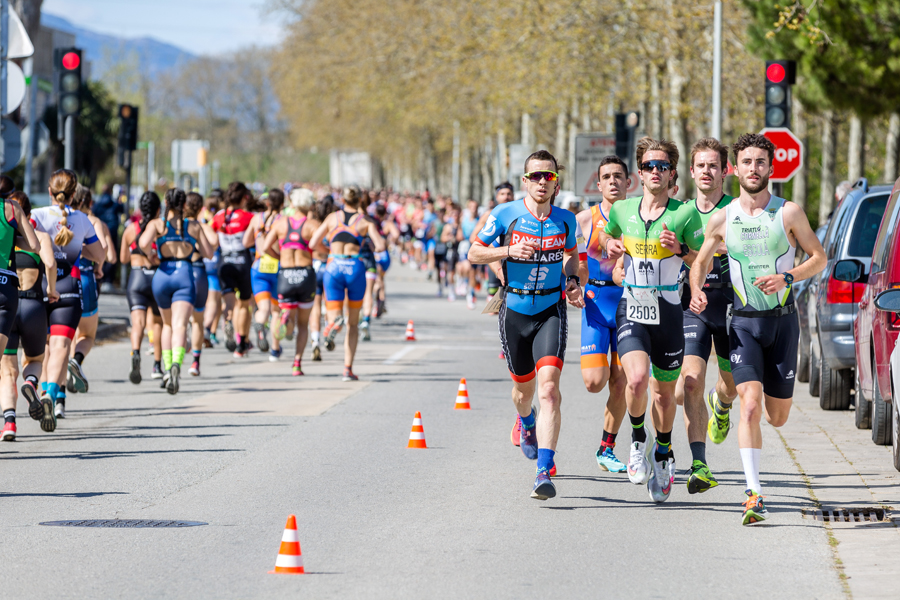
(31, 150)
(151, 166)
(715, 125)
(4, 52)
(455, 175)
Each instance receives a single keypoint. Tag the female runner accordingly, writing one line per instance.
(264, 271)
(192, 210)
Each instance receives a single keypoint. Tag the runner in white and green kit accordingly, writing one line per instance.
(761, 233)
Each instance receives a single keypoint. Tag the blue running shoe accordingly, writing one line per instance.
(543, 487)
(528, 442)
(607, 460)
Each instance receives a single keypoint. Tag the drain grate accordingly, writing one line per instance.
(122, 523)
(848, 515)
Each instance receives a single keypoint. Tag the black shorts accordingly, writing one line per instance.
(297, 287)
(700, 334)
(29, 328)
(9, 302)
(140, 290)
(530, 342)
(63, 315)
(201, 286)
(234, 273)
(664, 343)
(368, 259)
(764, 349)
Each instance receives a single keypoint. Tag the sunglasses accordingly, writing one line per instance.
(662, 165)
(536, 176)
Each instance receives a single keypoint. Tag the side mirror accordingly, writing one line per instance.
(850, 270)
(888, 300)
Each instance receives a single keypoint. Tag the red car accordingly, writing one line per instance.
(876, 331)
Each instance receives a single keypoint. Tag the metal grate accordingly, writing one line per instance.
(848, 515)
(120, 523)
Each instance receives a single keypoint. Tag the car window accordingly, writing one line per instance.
(836, 229)
(865, 226)
(884, 233)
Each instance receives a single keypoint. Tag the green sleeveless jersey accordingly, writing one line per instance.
(757, 246)
(7, 243)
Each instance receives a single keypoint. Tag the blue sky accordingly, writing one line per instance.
(199, 26)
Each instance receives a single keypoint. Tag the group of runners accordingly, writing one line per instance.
(661, 284)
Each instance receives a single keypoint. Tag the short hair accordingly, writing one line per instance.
(612, 159)
(648, 144)
(753, 140)
(505, 186)
(542, 155)
(710, 144)
(303, 199)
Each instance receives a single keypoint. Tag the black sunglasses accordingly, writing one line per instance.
(662, 165)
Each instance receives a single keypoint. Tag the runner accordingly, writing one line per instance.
(264, 272)
(367, 256)
(29, 324)
(324, 207)
(599, 354)
(391, 235)
(140, 288)
(345, 272)
(213, 311)
(657, 234)
(539, 255)
(73, 236)
(466, 274)
(761, 233)
(193, 208)
(234, 270)
(296, 276)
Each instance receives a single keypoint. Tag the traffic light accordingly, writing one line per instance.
(780, 76)
(626, 125)
(128, 132)
(67, 64)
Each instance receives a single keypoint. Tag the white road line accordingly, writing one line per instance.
(396, 356)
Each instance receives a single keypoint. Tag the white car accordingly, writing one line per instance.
(889, 300)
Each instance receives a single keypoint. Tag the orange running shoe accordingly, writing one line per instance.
(514, 435)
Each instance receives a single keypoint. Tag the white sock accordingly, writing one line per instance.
(315, 338)
(750, 459)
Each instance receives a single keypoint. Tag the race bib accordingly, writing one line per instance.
(267, 264)
(642, 305)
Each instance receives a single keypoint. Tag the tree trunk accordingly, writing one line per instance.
(430, 164)
(487, 165)
(561, 138)
(573, 131)
(891, 151)
(465, 175)
(526, 131)
(502, 156)
(475, 170)
(677, 125)
(800, 180)
(654, 124)
(829, 145)
(585, 114)
(856, 158)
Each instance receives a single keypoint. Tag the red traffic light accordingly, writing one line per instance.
(70, 61)
(775, 73)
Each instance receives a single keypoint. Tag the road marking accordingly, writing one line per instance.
(396, 356)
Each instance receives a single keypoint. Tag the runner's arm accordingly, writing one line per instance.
(796, 224)
(377, 238)
(273, 235)
(249, 238)
(715, 233)
(148, 236)
(125, 250)
(205, 248)
(49, 260)
(315, 243)
(573, 290)
(26, 231)
(584, 227)
(478, 226)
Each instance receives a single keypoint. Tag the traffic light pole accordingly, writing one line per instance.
(127, 167)
(4, 52)
(70, 143)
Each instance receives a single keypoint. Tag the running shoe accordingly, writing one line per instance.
(207, 339)
(331, 331)
(157, 371)
(543, 487)
(35, 408)
(281, 331)
(514, 434)
(348, 374)
(275, 355)
(261, 340)
(59, 410)
(606, 460)
(70, 384)
(195, 368)
(316, 353)
(164, 383)
(135, 375)
(528, 442)
(638, 463)
(9, 432)
(366, 334)
(754, 509)
(502, 356)
(79, 381)
(660, 483)
(451, 297)
(718, 425)
(174, 376)
(48, 420)
(214, 340)
(700, 479)
(470, 301)
(671, 465)
(230, 342)
(296, 370)
(289, 336)
(552, 471)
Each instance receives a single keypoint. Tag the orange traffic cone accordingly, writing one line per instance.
(417, 433)
(462, 396)
(410, 332)
(290, 559)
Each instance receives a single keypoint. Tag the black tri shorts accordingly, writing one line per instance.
(29, 328)
(9, 302)
(530, 342)
(764, 349)
(664, 343)
(296, 287)
(235, 276)
(140, 290)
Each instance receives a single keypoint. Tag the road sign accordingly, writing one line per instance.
(590, 148)
(186, 155)
(788, 153)
(15, 86)
(13, 150)
(20, 45)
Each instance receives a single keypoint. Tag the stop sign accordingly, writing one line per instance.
(788, 153)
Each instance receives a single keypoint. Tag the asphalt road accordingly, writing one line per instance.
(245, 445)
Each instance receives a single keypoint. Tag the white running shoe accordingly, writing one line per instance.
(451, 297)
(660, 484)
(638, 465)
(60, 410)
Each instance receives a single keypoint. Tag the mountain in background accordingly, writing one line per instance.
(100, 48)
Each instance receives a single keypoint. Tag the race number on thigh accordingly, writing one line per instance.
(642, 305)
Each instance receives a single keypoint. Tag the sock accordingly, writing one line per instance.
(638, 433)
(750, 459)
(365, 319)
(9, 416)
(79, 357)
(33, 380)
(167, 360)
(53, 390)
(545, 459)
(135, 352)
(528, 422)
(178, 355)
(239, 339)
(722, 408)
(44, 386)
(196, 355)
(663, 442)
(315, 338)
(698, 451)
(609, 439)
(157, 365)
(61, 396)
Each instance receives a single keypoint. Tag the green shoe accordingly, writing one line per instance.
(754, 509)
(718, 425)
(701, 479)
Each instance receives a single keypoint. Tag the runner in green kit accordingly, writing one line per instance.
(657, 234)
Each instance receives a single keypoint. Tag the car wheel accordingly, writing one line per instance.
(813, 370)
(895, 434)
(834, 388)
(803, 365)
(881, 415)
(863, 416)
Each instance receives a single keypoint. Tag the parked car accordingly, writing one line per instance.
(850, 236)
(876, 331)
(806, 309)
(889, 301)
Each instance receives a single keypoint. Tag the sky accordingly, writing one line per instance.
(198, 26)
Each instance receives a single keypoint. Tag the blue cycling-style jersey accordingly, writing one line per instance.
(543, 272)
